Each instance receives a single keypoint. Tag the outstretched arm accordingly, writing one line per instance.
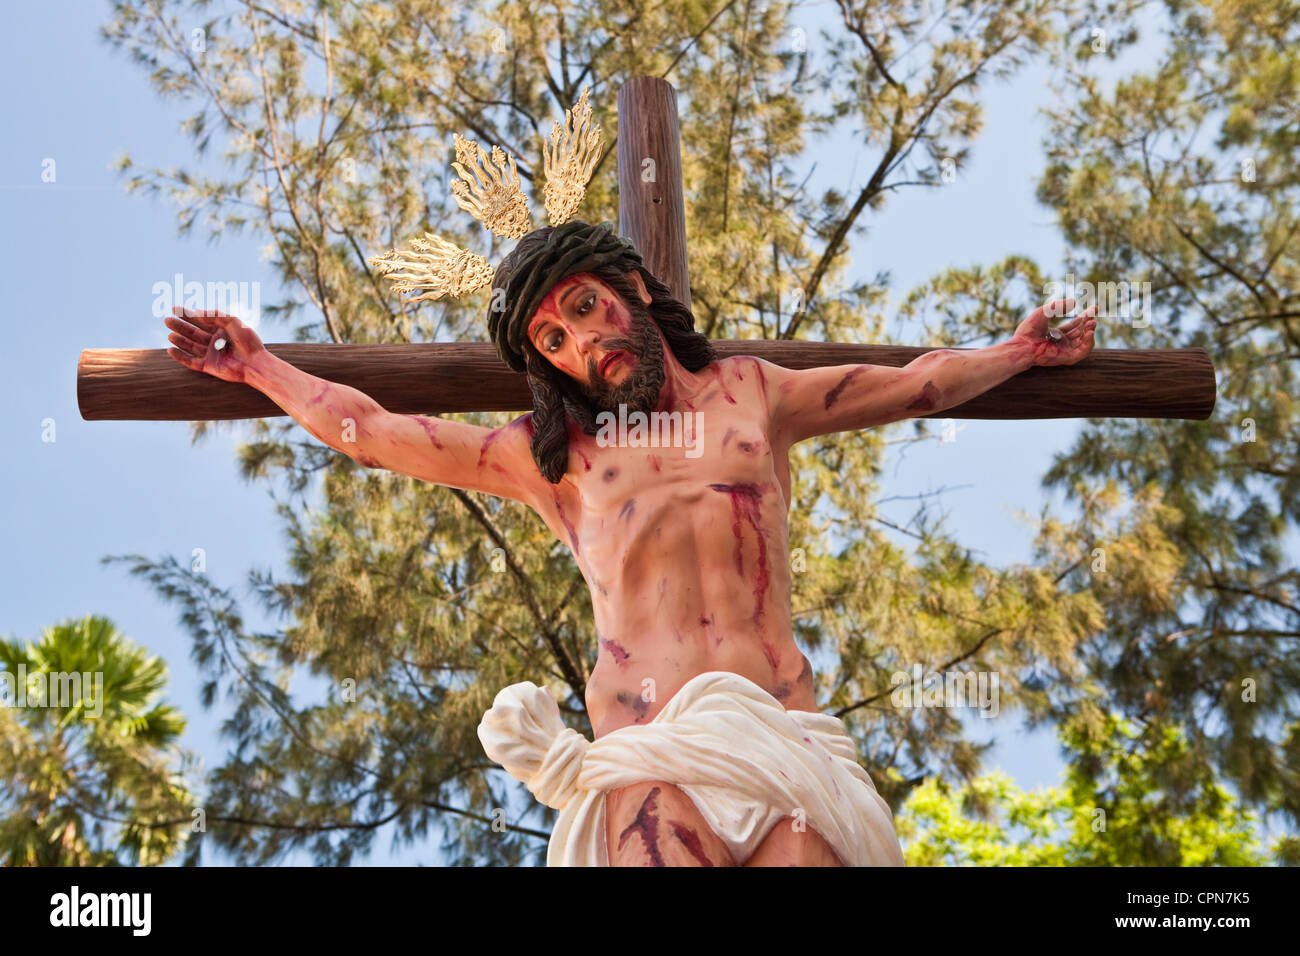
(495, 461)
(807, 402)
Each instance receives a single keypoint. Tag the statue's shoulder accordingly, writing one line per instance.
(525, 422)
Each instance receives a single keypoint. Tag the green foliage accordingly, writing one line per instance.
(1116, 814)
(86, 776)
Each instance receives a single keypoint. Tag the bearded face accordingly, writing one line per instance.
(639, 389)
(609, 347)
(594, 343)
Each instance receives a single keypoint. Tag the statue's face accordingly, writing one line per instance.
(608, 345)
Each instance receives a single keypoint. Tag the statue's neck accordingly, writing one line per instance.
(680, 387)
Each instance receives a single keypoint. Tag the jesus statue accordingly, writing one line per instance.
(708, 747)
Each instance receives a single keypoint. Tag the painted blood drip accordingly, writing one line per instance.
(691, 841)
(655, 461)
(430, 429)
(833, 395)
(316, 400)
(928, 398)
(568, 526)
(762, 379)
(616, 317)
(707, 624)
(487, 442)
(626, 510)
(620, 655)
(744, 505)
(717, 372)
(773, 658)
(647, 824)
(586, 462)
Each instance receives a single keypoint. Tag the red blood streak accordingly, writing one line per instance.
(616, 315)
(545, 311)
(691, 841)
(620, 655)
(928, 398)
(482, 454)
(573, 535)
(647, 824)
(319, 395)
(773, 658)
(496, 467)
(834, 393)
(745, 504)
(430, 429)
(655, 461)
(585, 460)
(717, 373)
(762, 379)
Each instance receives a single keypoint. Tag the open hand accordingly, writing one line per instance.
(212, 342)
(1065, 345)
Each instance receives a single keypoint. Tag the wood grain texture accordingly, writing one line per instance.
(148, 385)
(653, 213)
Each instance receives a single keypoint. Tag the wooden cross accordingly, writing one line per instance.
(147, 385)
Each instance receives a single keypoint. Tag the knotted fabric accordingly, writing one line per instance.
(746, 763)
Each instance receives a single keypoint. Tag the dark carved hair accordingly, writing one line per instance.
(557, 397)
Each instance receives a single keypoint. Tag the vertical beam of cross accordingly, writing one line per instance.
(651, 204)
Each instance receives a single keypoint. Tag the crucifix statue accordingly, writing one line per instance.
(660, 458)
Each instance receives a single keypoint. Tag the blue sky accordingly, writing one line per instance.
(81, 257)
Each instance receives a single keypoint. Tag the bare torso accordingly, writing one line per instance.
(686, 558)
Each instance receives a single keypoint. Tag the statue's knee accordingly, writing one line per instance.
(653, 823)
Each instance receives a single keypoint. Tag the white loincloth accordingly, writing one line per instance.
(745, 761)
